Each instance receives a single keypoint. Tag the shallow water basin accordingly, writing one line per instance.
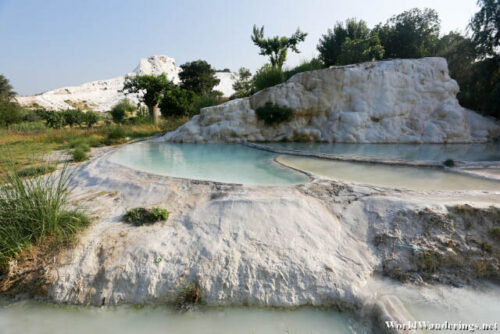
(230, 163)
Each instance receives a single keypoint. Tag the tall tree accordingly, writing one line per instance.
(359, 50)
(485, 26)
(243, 85)
(150, 90)
(199, 77)
(6, 92)
(277, 47)
(411, 34)
(330, 44)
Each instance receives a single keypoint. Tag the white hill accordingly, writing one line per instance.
(101, 95)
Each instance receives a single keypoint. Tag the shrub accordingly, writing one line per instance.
(176, 102)
(188, 295)
(121, 110)
(313, 64)
(243, 86)
(273, 114)
(91, 118)
(79, 154)
(449, 163)
(10, 113)
(30, 116)
(495, 232)
(73, 117)
(140, 216)
(116, 134)
(268, 76)
(36, 170)
(203, 101)
(36, 209)
(54, 119)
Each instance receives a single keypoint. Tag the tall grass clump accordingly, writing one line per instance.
(36, 211)
(268, 76)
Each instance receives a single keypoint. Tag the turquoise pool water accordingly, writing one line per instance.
(39, 318)
(230, 163)
(432, 152)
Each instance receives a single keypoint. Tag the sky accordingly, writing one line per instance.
(47, 44)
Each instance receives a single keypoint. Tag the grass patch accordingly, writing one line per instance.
(36, 170)
(140, 216)
(36, 211)
(25, 147)
(79, 154)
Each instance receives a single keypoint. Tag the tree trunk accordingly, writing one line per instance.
(153, 112)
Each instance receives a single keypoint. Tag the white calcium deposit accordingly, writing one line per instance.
(101, 95)
(395, 101)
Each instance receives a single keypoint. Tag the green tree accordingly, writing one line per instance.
(485, 27)
(10, 113)
(198, 76)
(176, 101)
(243, 85)
(91, 118)
(121, 110)
(276, 47)
(72, 117)
(6, 92)
(355, 51)
(411, 34)
(149, 89)
(330, 44)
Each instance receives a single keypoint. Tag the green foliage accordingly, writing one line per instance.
(10, 113)
(355, 51)
(115, 134)
(6, 92)
(79, 154)
(91, 118)
(36, 170)
(313, 64)
(121, 110)
(330, 44)
(150, 89)
(485, 27)
(176, 102)
(243, 86)
(73, 117)
(54, 119)
(36, 209)
(203, 101)
(28, 127)
(140, 216)
(268, 76)
(411, 34)
(273, 114)
(449, 163)
(198, 76)
(276, 47)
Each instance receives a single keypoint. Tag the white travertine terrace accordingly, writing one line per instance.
(395, 101)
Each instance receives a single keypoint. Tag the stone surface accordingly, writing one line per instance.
(101, 95)
(396, 101)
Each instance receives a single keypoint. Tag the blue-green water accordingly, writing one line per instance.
(230, 163)
(411, 152)
(39, 318)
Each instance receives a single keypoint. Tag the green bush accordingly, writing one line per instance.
(273, 114)
(73, 117)
(203, 101)
(54, 119)
(116, 133)
(449, 163)
(122, 110)
(30, 116)
(176, 102)
(79, 154)
(268, 76)
(313, 64)
(36, 209)
(140, 216)
(36, 170)
(10, 113)
(91, 118)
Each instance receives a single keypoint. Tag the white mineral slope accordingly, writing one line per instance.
(101, 95)
(395, 101)
(275, 246)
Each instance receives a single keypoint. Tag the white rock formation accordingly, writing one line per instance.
(101, 95)
(396, 101)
